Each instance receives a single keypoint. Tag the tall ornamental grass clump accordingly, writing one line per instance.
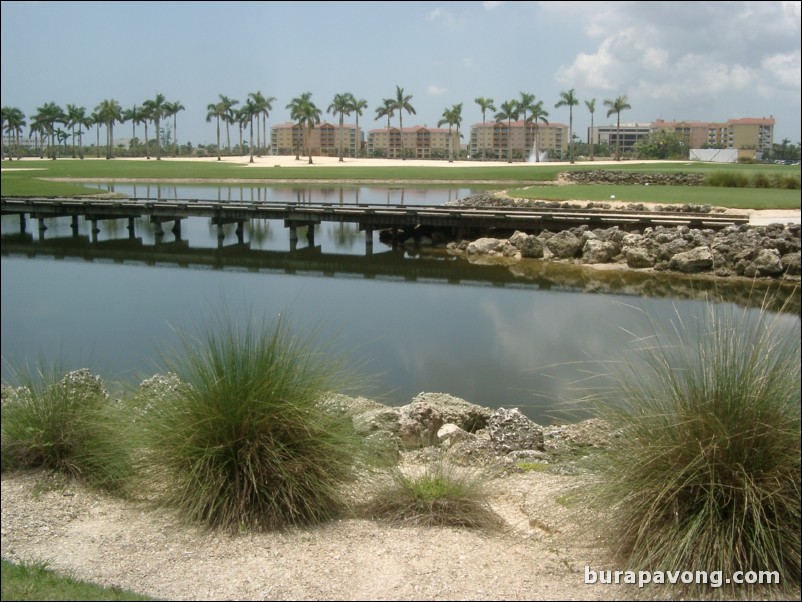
(245, 443)
(65, 422)
(705, 475)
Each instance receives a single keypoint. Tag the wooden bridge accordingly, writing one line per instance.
(462, 222)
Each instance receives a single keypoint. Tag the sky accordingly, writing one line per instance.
(701, 61)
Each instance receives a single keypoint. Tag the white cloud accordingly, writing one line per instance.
(436, 13)
(435, 90)
(490, 5)
(784, 69)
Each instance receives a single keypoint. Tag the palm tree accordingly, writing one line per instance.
(538, 114)
(452, 116)
(386, 109)
(48, 115)
(216, 110)
(341, 105)
(242, 120)
(296, 114)
(508, 112)
(228, 116)
(156, 109)
(96, 121)
(591, 105)
(264, 106)
(171, 109)
(146, 117)
(400, 104)
(310, 115)
(13, 120)
(108, 112)
(569, 99)
(249, 111)
(486, 104)
(76, 116)
(526, 104)
(135, 115)
(73, 115)
(616, 106)
(356, 108)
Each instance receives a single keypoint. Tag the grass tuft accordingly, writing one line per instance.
(245, 444)
(64, 422)
(440, 494)
(705, 475)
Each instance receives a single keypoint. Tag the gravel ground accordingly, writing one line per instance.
(540, 556)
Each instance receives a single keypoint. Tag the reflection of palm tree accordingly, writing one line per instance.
(616, 106)
(508, 112)
(485, 104)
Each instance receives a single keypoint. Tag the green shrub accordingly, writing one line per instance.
(705, 475)
(727, 179)
(67, 423)
(246, 443)
(440, 494)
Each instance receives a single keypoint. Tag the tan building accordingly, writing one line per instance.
(695, 132)
(498, 140)
(289, 138)
(749, 135)
(419, 142)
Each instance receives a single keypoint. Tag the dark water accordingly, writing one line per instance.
(531, 336)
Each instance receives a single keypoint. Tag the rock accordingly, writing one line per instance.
(450, 433)
(510, 431)
(468, 416)
(699, 259)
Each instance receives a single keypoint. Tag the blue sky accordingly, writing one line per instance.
(705, 61)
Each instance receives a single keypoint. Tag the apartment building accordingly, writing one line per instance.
(289, 138)
(501, 140)
(419, 142)
(748, 135)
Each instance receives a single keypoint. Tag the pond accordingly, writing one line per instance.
(530, 336)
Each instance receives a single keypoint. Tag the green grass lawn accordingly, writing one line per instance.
(36, 582)
(29, 177)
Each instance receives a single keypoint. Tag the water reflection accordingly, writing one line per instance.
(276, 193)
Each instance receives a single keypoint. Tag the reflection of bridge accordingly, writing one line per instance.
(390, 265)
(462, 222)
(396, 266)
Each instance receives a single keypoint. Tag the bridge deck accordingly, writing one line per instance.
(367, 216)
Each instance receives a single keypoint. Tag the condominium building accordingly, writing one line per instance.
(418, 142)
(501, 140)
(326, 138)
(749, 135)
